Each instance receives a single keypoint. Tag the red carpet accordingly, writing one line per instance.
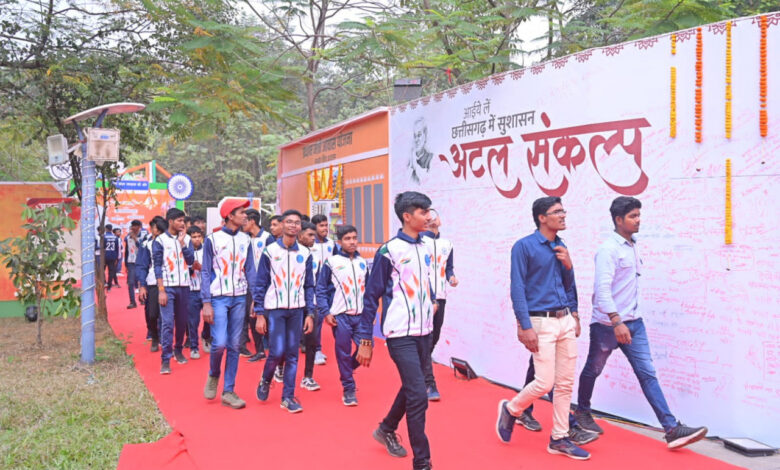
(328, 435)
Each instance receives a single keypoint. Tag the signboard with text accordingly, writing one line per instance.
(621, 120)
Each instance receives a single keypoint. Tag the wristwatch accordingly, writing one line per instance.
(366, 342)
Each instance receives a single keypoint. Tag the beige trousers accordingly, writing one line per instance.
(556, 365)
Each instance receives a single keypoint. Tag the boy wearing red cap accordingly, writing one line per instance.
(226, 269)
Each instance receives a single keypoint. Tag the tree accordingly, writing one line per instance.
(39, 264)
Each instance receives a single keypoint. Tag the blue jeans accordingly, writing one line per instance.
(409, 354)
(193, 320)
(602, 343)
(174, 313)
(344, 334)
(225, 334)
(132, 282)
(284, 334)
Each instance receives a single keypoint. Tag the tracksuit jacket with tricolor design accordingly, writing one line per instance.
(284, 278)
(342, 285)
(228, 265)
(442, 265)
(171, 261)
(400, 274)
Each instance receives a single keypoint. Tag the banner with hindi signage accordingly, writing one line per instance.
(656, 119)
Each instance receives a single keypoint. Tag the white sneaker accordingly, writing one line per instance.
(279, 374)
(194, 354)
(310, 384)
(320, 359)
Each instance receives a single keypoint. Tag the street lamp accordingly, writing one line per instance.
(88, 222)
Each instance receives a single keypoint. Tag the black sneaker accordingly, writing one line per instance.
(390, 441)
(585, 420)
(581, 436)
(155, 345)
(257, 357)
(433, 393)
(528, 421)
(132, 306)
(165, 369)
(263, 389)
(179, 357)
(244, 351)
(682, 435)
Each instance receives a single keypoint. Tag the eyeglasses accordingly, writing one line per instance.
(559, 212)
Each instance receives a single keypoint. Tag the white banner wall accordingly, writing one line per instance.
(590, 127)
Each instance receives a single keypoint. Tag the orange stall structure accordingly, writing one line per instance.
(341, 171)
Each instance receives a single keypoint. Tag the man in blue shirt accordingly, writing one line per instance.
(617, 323)
(544, 298)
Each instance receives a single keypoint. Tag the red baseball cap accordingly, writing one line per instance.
(232, 204)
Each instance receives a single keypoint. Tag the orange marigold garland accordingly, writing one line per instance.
(698, 110)
(673, 103)
(763, 124)
(674, 44)
(728, 79)
(728, 203)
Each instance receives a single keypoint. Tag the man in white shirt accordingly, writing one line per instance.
(617, 323)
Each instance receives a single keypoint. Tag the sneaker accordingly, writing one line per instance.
(581, 436)
(257, 357)
(194, 354)
(390, 441)
(566, 447)
(320, 359)
(231, 399)
(585, 420)
(682, 435)
(505, 422)
(292, 405)
(165, 369)
(244, 351)
(206, 346)
(155, 346)
(528, 421)
(433, 393)
(349, 398)
(279, 374)
(148, 336)
(263, 389)
(179, 357)
(210, 392)
(132, 306)
(310, 384)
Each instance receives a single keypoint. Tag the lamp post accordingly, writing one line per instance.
(88, 223)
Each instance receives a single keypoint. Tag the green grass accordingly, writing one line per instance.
(57, 414)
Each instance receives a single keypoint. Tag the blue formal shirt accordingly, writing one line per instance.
(539, 282)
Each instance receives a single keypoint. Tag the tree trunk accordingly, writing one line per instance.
(310, 104)
(39, 321)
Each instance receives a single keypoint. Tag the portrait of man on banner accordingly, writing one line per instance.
(420, 160)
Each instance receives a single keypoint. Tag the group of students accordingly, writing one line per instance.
(282, 286)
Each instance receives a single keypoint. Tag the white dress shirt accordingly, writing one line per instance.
(616, 283)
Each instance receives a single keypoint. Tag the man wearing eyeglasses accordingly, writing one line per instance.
(544, 298)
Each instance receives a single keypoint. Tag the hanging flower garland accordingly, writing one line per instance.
(763, 119)
(698, 108)
(673, 103)
(728, 79)
(673, 92)
(728, 203)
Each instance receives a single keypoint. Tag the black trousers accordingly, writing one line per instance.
(438, 321)
(249, 325)
(152, 312)
(409, 354)
(111, 267)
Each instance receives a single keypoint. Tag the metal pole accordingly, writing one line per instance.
(87, 248)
